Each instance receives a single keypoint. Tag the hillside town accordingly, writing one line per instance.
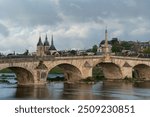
(116, 47)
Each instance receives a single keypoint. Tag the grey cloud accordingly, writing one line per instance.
(119, 15)
(84, 10)
(4, 30)
(29, 12)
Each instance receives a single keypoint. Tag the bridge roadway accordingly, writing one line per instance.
(34, 70)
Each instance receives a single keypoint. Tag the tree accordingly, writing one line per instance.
(116, 48)
(73, 52)
(147, 50)
(94, 48)
(126, 45)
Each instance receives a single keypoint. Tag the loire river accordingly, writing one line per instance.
(117, 90)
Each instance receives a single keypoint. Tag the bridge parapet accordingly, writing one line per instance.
(72, 65)
(130, 58)
(44, 58)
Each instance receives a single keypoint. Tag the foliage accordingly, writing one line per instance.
(56, 70)
(94, 48)
(7, 70)
(126, 45)
(98, 74)
(4, 81)
(116, 48)
(147, 50)
(73, 52)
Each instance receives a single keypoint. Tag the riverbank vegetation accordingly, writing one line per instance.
(4, 81)
(56, 70)
(133, 79)
(7, 70)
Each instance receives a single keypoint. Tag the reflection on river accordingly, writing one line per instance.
(117, 90)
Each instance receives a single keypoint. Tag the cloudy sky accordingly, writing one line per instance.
(74, 23)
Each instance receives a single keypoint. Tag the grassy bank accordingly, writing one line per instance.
(6, 71)
(56, 70)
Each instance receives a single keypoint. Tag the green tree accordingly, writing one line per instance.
(94, 48)
(147, 50)
(116, 48)
(126, 45)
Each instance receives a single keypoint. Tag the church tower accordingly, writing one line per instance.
(52, 48)
(40, 48)
(106, 47)
(46, 45)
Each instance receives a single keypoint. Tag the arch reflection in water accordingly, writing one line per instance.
(60, 90)
(32, 92)
(77, 91)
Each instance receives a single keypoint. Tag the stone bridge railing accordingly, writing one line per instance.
(130, 58)
(52, 58)
(44, 58)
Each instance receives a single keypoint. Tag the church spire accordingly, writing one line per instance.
(40, 42)
(106, 42)
(52, 42)
(106, 48)
(106, 38)
(46, 43)
(52, 47)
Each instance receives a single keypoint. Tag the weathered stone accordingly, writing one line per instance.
(31, 71)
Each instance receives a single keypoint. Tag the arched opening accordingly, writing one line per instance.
(106, 71)
(17, 75)
(97, 73)
(56, 74)
(141, 72)
(66, 72)
(7, 76)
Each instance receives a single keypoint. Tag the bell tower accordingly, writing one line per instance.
(106, 48)
(40, 48)
(46, 45)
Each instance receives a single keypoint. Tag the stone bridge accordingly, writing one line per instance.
(34, 70)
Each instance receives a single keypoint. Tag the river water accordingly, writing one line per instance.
(114, 90)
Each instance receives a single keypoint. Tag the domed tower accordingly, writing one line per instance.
(40, 48)
(46, 45)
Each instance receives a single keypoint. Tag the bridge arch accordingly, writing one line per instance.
(109, 70)
(141, 72)
(71, 72)
(24, 76)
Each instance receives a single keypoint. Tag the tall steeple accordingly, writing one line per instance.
(52, 47)
(40, 42)
(106, 38)
(106, 42)
(52, 42)
(106, 48)
(46, 43)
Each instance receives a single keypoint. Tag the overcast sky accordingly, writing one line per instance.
(75, 24)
